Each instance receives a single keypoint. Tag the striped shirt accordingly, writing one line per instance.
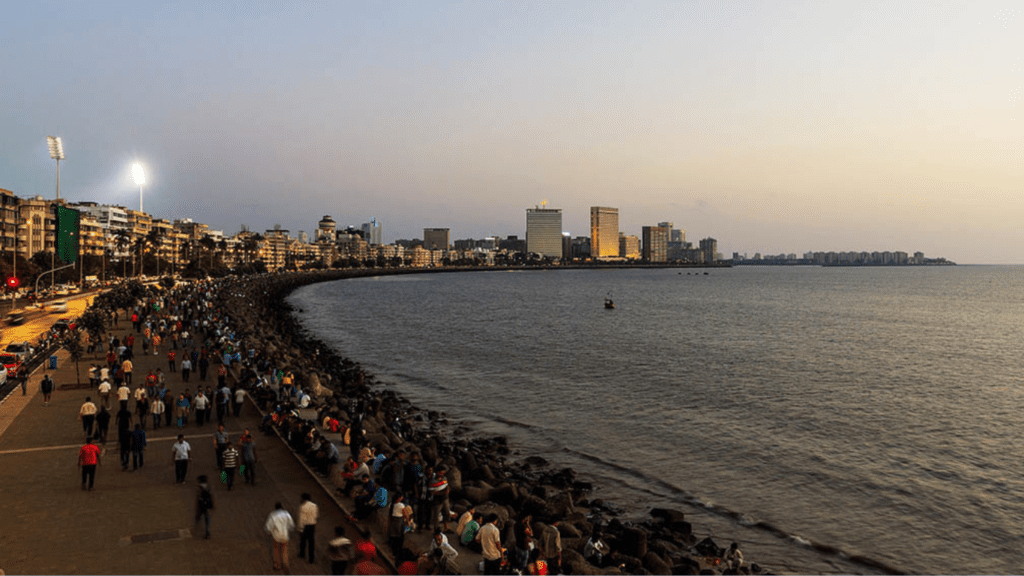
(230, 457)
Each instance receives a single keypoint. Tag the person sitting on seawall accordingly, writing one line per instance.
(734, 558)
(595, 549)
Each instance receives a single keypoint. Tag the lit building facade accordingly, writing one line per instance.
(655, 243)
(544, 231)
(604, 232)
(437, 238)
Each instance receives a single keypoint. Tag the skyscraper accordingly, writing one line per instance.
(373, 233)
(544, 231)
(655, 243)
(709, 246)
(437, 238)
(604, 232)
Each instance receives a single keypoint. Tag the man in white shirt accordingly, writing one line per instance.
(308, 515)
(87, 414)
(104, 390)
(182, 452)
(123, 393)
(201, 403)
(279, 525)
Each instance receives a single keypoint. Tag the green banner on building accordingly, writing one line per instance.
(67, 234)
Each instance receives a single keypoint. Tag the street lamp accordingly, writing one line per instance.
(57, 153)
(140, 178)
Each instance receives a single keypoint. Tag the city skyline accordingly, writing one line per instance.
(773, 128)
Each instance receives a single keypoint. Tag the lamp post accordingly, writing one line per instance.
(140, 178)
(57, 153)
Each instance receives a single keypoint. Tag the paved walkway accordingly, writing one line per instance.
(139, 522)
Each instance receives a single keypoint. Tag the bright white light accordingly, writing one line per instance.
(138, 175)
(56, 148)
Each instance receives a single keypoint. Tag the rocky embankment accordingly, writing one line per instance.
(480, 471)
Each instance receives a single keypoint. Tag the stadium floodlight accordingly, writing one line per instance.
(57, 153)
(140, 178)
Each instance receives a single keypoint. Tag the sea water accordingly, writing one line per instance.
(873, 411)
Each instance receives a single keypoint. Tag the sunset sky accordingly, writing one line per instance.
(771, 126)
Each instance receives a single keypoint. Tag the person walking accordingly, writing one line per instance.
(309, 513)
(339, 550)
(46, 387)
(200, 403)
(126, 367)
(157, 410)
(220, 442)
(204, 503)
(239, 400)
(249, 457)
(123, 394)
(88, 460)
(280, 525)
(229, 459)
(186, 368)
(87, 414)
(104, 390)
(102, 424)
(182, 453)
(123, 419)
(138, 447)
(183, 407)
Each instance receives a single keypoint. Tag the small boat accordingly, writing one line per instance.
(608, 304)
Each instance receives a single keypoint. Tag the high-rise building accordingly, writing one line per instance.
(326, 229)
(437, 238)
(604, 232)
(373, 233)
(670, 226)
(544, 231)
(709, 246)
(629, 246)
(655, 242)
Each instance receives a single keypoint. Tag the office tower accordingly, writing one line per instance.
(437, 238)
(709, 246)
(544, 231)
(670, 226)
(604, 232)
(629, 246)
(655, 243)
(373, 233)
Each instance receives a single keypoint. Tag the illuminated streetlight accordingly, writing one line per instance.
(140, 178)
(57, 153)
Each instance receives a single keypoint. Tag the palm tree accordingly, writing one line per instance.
(209, 243)
(123, 239)
(141, 245)
(155, 238)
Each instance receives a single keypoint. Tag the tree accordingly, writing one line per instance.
(73, 344)
(93, 321)
(209, 244)
(123, 239)
(155, 239)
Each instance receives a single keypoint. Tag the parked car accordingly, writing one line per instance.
(57, 307)
(23, 350)
(3, 375)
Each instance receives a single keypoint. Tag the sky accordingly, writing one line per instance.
(774, 127)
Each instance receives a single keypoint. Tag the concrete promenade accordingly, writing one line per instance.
(140, 522)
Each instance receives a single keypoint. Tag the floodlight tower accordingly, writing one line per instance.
(140, 178)
(57, 153)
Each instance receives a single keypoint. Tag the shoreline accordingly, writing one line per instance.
(288, 341)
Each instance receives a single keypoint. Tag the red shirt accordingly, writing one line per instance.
(170, 355)
(89, 455)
